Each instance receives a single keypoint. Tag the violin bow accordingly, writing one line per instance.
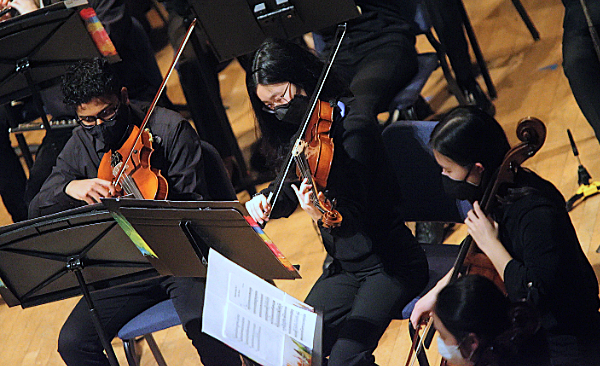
(158, 94)
(339, 35)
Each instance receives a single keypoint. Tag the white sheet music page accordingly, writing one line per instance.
(256, 318)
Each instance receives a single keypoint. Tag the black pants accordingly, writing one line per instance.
(79, 344)
(446, 19)
(357, 308)
(580, 62)
(376, 75)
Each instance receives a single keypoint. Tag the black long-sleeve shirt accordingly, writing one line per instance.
(177, 154)
(366, 195)
(548, 264)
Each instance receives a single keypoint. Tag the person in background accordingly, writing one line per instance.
(479, 326)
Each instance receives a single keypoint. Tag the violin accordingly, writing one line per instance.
(313, 156)
(128, 168)
(470, 259)
(139, 179)
(313, 147)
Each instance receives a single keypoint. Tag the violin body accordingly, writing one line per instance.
(313, 156)
(138, 178)
(319, 145)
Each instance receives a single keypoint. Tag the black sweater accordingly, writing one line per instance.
(548, 264)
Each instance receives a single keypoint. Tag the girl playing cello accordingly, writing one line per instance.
(528, 237)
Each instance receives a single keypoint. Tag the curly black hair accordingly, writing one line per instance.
(88, 79)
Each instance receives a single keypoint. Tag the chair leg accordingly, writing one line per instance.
(452, 84)
(129, 348)
(160, 360)
(523, 13)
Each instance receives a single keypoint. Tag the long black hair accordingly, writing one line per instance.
(473, 304)
(467, 135)
(279, 61)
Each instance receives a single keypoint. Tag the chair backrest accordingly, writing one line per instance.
(423, 196)
(217, 180)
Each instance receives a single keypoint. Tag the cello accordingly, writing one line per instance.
(470, 259)
(128, 168)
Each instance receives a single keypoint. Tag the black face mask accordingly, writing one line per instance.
(461, 189)
(112, 133)
(293, 111)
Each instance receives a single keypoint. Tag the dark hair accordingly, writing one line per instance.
(474, 304)
(89, 79)
(467, 135)
(279, 61)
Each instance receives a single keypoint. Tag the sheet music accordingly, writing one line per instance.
(254, 317)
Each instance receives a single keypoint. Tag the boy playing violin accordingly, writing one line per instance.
(106, 115)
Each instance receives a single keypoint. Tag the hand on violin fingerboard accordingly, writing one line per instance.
(304, 194)
(90, 190)
(259, 208)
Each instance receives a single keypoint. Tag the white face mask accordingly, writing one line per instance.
(451, 353)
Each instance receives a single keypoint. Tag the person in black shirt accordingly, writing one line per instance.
(105, 115)
(528, 237)
(377, 57)
(479, 326)
(580, 60)
(378, 266)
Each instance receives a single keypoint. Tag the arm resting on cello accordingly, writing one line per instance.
(426, 303)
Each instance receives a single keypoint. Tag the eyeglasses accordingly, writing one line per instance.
(108, 114)
(282, 99)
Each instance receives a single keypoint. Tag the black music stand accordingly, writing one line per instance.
(37, 48)
(178, 234)
(237, 27)
(36, 256)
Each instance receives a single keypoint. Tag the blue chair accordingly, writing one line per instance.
(402, 106)
(158, 317)
(423, 196)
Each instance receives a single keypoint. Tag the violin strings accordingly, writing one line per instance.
(305, 170)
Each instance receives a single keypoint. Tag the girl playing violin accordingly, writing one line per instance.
(377, 266)
(528, 236)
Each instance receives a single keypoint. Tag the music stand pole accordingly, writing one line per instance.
(75, 265)
(24, 68)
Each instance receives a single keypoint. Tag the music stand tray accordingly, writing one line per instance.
(176, 236)
(35, 256)
(238, 27)
(43, 43)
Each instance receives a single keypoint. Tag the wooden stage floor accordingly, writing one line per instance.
(530, 82)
